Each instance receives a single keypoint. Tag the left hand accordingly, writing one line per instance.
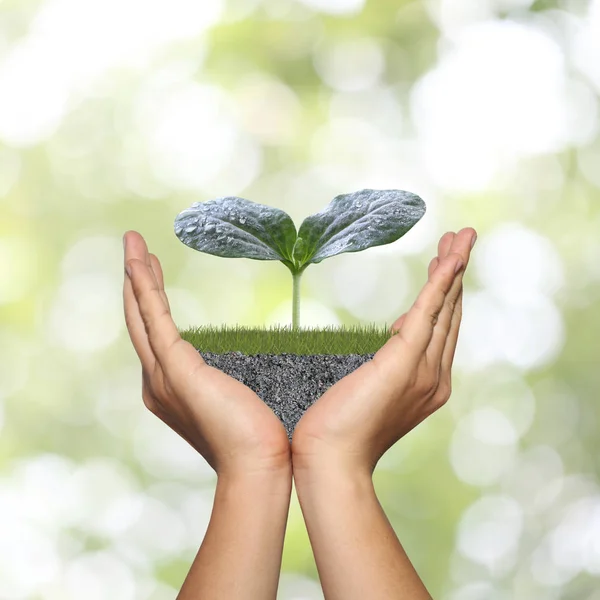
(365, 413)
(224, 420)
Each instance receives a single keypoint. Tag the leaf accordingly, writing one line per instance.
(232, 227)
(357, 221)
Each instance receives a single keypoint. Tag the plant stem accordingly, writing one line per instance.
(296, 300)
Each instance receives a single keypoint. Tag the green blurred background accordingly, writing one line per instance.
(119, 114)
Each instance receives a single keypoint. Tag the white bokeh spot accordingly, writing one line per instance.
(520, 106)
(483, 447)
(41, 72)
(490, 529)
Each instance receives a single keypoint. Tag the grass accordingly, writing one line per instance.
(279, 340)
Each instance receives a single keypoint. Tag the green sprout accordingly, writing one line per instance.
(232, 227)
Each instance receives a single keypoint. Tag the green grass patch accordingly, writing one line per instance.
(279, 340)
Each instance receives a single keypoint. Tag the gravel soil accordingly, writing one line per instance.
(287, 383)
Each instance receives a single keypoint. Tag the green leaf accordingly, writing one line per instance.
(299, 250)
(232, 227)
(354, 222)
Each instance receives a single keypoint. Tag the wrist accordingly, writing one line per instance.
(328, 473)
(259, 478)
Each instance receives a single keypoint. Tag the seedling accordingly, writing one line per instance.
(232, 227)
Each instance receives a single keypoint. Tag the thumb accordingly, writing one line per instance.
(397, 324)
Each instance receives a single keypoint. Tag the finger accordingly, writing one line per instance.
(452, 340)
(133, 317)
(395, 327)
(450, 347)
(398, 322)
(461, 244)
(421, 318)
(160, 329)
(143, 247)
(445, 243)
(433, 266)
(443, 247)
(158, 273)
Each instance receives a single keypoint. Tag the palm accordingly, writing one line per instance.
(341, 406)
(249, 417)
(254, 427)
(219, 416)
(409, 378)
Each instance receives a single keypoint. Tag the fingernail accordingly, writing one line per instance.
(458, 267)
(473, 241)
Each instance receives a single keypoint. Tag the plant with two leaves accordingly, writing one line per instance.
(232, 227)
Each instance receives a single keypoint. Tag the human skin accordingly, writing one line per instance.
(224, 421)
(340, 438)
(230, 426)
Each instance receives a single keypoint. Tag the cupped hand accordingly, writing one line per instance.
(224, 420)
(361, 416)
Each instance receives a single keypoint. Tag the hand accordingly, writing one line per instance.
(360, 417)
(225, 421)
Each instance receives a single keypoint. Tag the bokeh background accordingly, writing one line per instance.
(119, 114)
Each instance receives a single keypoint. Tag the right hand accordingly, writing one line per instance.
(365, 413)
